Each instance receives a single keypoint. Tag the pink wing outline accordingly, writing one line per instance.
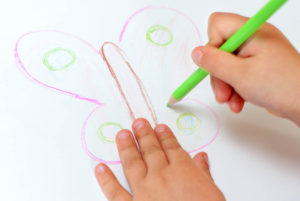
(22, 67)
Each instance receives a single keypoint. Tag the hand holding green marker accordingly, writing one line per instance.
(232, 44)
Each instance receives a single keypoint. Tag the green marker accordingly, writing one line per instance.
(232, 44)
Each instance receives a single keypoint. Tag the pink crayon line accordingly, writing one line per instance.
(216, 117)
(158, 7)
(22, 67)
(84, 144)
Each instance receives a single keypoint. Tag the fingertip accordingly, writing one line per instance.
(222, 90)
(109, 183)
(202, 162)
(223, 94)
(196, 49)
(124, 139)
(201, 159)
(100, 169)
(235, 108)
(236, 103)
(123, 134)
(162, 128)
(197, 55)
(139, 123)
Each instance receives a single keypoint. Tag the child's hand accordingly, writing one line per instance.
(266, 70)
(162, 172)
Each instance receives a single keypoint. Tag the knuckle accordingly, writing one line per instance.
(151, 150)
(132, 162)
(106, 183)
(213, 18)
(241, 85)
(170, 143)
(129, 156)
(217, 17)
(127, 148)
(145, 136)
(269, 27)
(116, 195)
(209, 56)
(143, 133)
(270, 31)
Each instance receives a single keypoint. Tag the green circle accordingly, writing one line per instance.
(49, 53)
(193, 128)
(104, 138)
(155, 28)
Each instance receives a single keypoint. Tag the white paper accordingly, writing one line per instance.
(61, 105)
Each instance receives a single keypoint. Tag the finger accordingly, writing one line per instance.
(223, 65)
(201, 160)
(222, 90)
(223, 25)
(170, 145)
(110, 185)
(236, 103)
(133, 165)
(150, 148)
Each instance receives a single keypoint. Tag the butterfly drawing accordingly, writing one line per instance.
(129, 78)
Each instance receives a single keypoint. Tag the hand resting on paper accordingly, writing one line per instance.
(161, 171)
(265, 70)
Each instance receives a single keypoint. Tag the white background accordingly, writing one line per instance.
(256, 156)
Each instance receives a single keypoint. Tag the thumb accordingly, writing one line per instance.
(201, 161)
(223, 65)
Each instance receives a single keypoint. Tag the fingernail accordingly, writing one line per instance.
(123, 135)
(138, 124)
(161, 128)
(217, 93)
(205, 158)
(101, 169)
(197, 56)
